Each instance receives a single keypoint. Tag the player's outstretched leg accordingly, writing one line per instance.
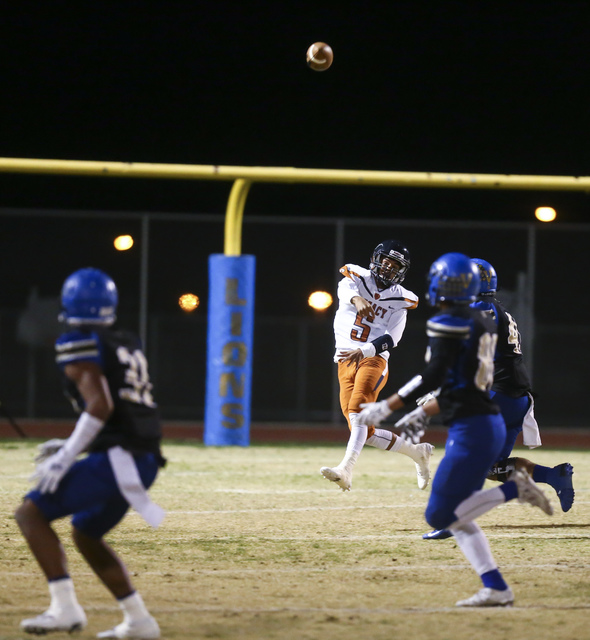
(106, 564)
(64, 612)
(422, 460)
(342, 474)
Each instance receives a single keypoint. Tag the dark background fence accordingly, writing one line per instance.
(540, 269)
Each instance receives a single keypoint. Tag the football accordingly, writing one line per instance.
(320, 56)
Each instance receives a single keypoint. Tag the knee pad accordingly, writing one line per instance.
(502, 469)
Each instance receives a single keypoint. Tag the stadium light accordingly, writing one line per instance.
(320, 300)
(122, 243)
(188, 302)
(545, 214)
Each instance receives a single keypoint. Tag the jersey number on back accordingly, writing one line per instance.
(139, 390)
(484, 377)
(513, 335)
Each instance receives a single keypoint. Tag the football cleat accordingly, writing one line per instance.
(423, 464)
(529, 492)
(70, 620)
(487, 597)
(560, 478)
(437, 534)
(342, 477)
(144, 629)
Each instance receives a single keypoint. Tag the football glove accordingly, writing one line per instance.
(48, 473)
(373, 413)
(413, 425)
(48, 448)
(422, 400)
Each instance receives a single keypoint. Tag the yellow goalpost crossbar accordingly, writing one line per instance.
(244, 176)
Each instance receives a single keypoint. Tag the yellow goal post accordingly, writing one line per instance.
(243, 177)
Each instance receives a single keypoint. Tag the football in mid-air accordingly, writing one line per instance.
(320, 56)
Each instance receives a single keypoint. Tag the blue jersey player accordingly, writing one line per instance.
(460, 357)
(105, 374)
(512, 392)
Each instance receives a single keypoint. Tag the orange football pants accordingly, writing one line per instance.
(360, 384)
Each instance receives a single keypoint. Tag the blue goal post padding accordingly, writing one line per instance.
(229, 350)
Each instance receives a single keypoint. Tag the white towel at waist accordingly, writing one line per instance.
(531, 437)
(131, 486)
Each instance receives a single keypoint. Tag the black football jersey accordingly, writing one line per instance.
(460, 359)
(510, 373)
(134, 423)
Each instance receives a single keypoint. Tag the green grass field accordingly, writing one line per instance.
(257, 545)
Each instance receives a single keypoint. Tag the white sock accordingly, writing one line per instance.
(356, 442)
(407, 448)
(475, 547)
(382, 439)
(133, 607)
(63, 594)
(477, 504)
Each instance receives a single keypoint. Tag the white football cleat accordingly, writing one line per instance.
(342, 477)
(423, 464)
(70, 619)
(529, 492)
(487, 597)
(144, 629)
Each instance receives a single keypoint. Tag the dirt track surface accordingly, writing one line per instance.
(283, 432)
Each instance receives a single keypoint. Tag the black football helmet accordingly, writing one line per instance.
(394, 250)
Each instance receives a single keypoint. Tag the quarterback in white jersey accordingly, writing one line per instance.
(370, 320)
(389, 306)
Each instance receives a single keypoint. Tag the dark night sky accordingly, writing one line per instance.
(452, 87)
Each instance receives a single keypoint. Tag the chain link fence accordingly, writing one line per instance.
(539, 271)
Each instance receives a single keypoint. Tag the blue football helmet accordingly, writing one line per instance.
(489, 279)
(89, 296)
(453, 278)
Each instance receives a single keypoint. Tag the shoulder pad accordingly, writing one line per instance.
(448, 326)
(77, 346)
(353, 270)
(409, 296)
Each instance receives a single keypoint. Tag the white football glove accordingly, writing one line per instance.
(48, 448)
(49, 473)
(413, 425)
(373, 413)
(422, 400)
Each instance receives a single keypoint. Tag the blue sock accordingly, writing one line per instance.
(509, 489)
(494, 580)
(541, 474)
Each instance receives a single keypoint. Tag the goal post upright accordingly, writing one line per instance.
(230, 332)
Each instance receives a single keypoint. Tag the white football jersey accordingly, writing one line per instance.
(389, 306)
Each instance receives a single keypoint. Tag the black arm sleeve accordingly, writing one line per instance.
(383, 343)
(443, 353)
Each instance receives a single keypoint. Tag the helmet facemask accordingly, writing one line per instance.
(386, 274)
